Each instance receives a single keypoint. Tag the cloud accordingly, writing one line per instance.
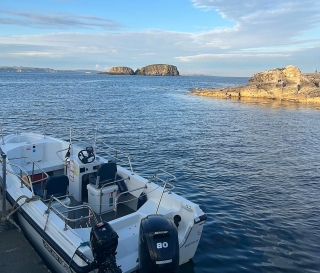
(147, 54)
(56, 21)
(291, 17)
(265, 30)
(265, 34)
(188, 51)
(210, 57)
(31, 54)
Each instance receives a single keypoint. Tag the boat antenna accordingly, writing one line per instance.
(95, 137)
(44, 134)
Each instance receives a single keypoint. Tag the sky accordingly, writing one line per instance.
(211, 37)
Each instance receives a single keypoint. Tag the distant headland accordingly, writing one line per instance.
(287, 84)
(24, 69)
(150, 70)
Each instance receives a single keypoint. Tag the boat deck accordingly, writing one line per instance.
(122, 210)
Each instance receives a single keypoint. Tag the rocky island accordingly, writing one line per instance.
(287, 84)
(121, 70)
(150, 70)
(158, 70)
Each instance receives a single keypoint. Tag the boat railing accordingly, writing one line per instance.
(103, 149)
(34, 121)
(3, 183)
(89, 215)
(76, 136)
(47, 127)
(116, 200)
(163, 179)
(116, 155)
(106, 185)
(62, 150)
(24, 177)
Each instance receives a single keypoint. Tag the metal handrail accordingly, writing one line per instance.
(66, 219)
(80, 136)
(165, 182)
(125, 192)
(116, 154)
(26, 173)
(163, 189)
(105, 185)
(4, 183)
(60, 151)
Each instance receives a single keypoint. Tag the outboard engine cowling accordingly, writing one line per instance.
(158, 245)
(104, 242)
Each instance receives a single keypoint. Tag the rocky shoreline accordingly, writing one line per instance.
(285, 84)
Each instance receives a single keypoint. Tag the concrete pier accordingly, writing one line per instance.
(16, 253)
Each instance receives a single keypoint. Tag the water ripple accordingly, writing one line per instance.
(254, 170)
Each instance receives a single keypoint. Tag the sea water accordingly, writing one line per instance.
(252, 166)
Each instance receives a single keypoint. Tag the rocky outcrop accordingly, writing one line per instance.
(158, 70)
(121, 70)
(280, 83)
(289, 75)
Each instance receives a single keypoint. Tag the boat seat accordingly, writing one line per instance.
(106, 173)
(55, 185)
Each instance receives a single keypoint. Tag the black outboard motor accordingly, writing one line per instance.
(158, 245)
(104, 243)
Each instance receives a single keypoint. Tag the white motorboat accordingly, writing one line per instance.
(90, 213)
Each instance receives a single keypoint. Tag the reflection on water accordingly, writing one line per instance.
(274, 103)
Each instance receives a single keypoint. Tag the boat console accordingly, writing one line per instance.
(94, 181)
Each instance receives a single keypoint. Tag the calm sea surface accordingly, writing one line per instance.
(253, 167)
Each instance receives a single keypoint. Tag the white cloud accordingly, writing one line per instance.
(277, 15)
(54, 20)
(210, 57)
(265, 32)
(147, 54)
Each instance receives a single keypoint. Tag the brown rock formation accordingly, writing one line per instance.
(121, 70)
(280, 83)
(158, 70)
(289, 75)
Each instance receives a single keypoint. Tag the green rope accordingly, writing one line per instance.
(81, 244)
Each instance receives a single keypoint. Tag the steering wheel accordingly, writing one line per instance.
(86, 156)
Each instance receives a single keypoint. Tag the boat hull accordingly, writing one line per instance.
(60, 228)
(46, 247)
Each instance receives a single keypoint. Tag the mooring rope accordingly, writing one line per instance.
(27, 200)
